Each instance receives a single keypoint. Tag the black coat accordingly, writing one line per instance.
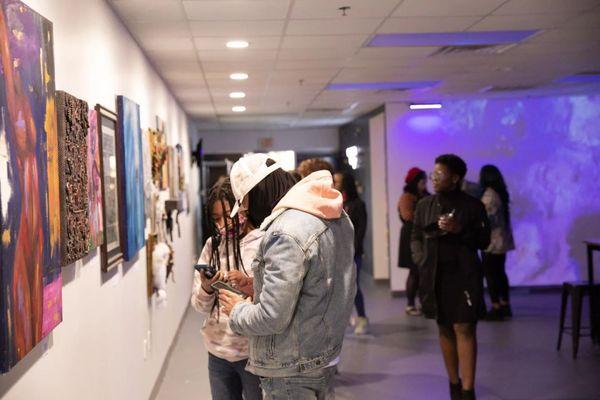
(357, 211)
(425, 236)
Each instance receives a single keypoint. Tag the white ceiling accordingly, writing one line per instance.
(298, 47)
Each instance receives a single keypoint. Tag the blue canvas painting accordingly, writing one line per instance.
(132, 184)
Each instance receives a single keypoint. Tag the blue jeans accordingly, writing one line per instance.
(315, 385)
(228, 380)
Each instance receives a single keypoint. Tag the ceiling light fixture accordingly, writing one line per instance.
(239, 76)
(237, 44)
(432, 106)
(238, 109)
(237, 95)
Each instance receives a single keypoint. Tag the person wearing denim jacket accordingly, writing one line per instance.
(304, 286)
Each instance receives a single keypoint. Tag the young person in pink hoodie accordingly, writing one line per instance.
(230, 250)
(304, 279)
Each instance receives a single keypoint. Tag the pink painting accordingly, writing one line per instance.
(94, 183)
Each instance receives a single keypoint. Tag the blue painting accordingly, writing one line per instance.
(132, 182)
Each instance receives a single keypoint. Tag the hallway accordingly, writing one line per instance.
(401, 360)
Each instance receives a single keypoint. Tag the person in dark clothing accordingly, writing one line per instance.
(356, 210)
(415, 190)
(449, 230)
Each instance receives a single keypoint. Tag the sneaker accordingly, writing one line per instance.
(413, 311)
(352, 321)
(506, 310)
(362, 326)
(495, 314)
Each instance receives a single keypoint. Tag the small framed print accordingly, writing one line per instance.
(111, 250)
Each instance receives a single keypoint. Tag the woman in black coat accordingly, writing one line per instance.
(449, 230)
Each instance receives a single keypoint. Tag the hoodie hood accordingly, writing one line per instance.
(314, 195)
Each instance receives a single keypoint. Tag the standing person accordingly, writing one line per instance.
(304, 279)
(449, 229)
(230, 250)
(414, 190)
(497, 205)
(311, 165)
(357, 211)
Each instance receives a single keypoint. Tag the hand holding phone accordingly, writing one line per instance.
(205, 269)
(220, 285)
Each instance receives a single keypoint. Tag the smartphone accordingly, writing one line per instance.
(205, 269)
(220, 285)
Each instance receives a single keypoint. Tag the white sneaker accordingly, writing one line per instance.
(413, 311)
(352, 321)
(362, 326)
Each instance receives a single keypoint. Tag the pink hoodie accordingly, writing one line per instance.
(314, 195)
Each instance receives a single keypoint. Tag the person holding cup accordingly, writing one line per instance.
(449, 230)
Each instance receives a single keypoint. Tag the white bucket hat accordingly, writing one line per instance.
(246, 173)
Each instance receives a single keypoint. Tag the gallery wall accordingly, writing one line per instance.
(548, 149)
(113, 339)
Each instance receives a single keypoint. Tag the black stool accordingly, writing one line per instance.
(577, 290)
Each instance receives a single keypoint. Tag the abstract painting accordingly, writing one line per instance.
(132, 218)
(72, 115)
(30, 273)
(94, 171)
(148, 187)
(111, 253)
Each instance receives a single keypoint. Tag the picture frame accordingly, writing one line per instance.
(111, 250)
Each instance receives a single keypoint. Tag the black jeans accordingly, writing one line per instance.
(359, 301)
(495, 275)
(228, 380)
(412, 286)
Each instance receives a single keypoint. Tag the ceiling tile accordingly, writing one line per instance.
(585, 21)
(167, 44)
(316, 54)
(338, 26)
(395, 52)
(237, 28)
(240, 56)
(427, 24)
(150, 11)
(163, 29)
(218, 43)
(249, 66)
(312, 9)
(308, 64)
(520, 7)
(172, 56)
(446, 8)
(320, 42)
(517, 22)
(236, 10)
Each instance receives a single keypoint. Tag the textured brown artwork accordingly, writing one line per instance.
(158, 153)
(72, 137)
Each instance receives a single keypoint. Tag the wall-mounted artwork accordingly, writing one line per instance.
(72, 115)
(173, 173)
(159, 153)
(110, 250)
(94, 170)
(30, 273)
(147, 167)
(133, 220)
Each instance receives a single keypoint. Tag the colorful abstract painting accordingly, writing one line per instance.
(132, 184)
(72, 115)
(30, 274)
(94, 183)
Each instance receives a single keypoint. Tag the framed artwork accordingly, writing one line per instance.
(132, 215)
(94, 172)
(150, 245)
(30, 249)
(110, 250)
(158, 151)
(147, 167)
(72, 115)
(173, 173)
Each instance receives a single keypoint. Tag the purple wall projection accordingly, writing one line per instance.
(548, 149)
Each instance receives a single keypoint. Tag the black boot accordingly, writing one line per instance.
(506, 310)
(456, 390)
(468, 394)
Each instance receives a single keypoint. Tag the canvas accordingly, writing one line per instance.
(96, 221)
(72, 115)
(132, 184)
(30, 274)
(147, 157)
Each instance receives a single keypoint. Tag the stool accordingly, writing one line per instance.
(577, 290)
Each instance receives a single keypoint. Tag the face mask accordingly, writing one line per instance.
(229, 231)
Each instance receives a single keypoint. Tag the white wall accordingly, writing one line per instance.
(379, 212)
(299, 140)
(97, 351)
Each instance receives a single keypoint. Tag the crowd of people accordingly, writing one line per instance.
(278, 278)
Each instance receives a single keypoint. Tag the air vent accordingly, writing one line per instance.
(500, 89)
(486, 49)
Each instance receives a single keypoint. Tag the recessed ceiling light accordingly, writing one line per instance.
(238, 108)
(237, 44)
(237, 95)
(239, 76)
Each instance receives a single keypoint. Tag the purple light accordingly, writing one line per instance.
(382, 85)
(580, 78)
(449, 38)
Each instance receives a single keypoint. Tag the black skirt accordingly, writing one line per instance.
(455, 302)
(404, 252)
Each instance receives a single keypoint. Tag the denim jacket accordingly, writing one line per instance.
(304, 286)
